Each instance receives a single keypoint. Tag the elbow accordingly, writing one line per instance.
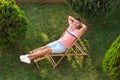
(69, 17)
(85, 27)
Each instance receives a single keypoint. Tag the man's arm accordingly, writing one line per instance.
(71, 20)
(83, 29)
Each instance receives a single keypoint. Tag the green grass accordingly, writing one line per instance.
(46, 23)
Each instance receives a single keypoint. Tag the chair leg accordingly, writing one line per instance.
(37, 65)
(59, 61)
(51, 60)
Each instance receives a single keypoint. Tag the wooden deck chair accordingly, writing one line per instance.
(75, 50)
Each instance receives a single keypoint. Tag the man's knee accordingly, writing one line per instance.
(44, 47)
(49, 50)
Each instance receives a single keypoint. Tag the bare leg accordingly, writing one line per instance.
(41, 48)
(41, 52)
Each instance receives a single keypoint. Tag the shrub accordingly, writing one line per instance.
(13, 23)
(92, 7)
(111, 61)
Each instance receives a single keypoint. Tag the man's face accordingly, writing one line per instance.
(77, 23)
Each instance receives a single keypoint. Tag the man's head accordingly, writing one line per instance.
(77, 22)
(78, 19)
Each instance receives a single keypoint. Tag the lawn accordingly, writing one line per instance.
(46, 23)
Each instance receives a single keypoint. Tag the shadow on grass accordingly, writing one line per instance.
(70, 70)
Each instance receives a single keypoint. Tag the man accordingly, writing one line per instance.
(75, 30)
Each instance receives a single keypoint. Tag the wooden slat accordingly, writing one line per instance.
(39, 58)
(68, 54)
